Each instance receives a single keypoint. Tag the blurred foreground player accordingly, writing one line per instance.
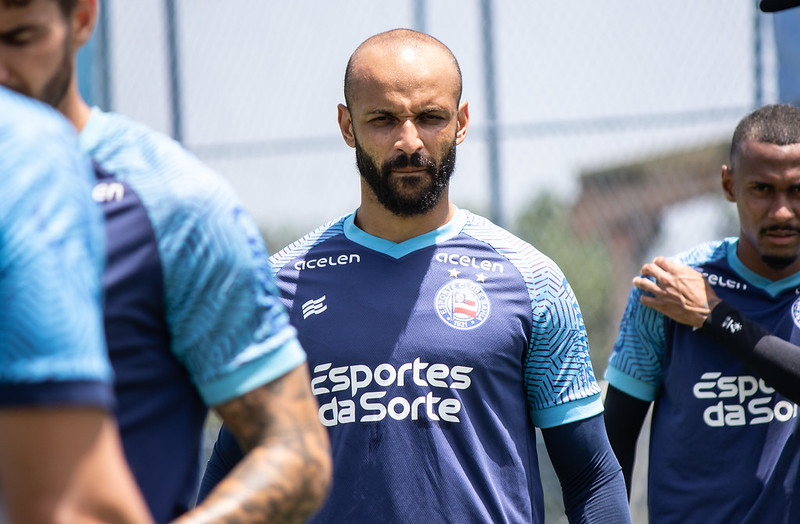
(192, 316)
(437, 340)
(60, 455)
(724, 445)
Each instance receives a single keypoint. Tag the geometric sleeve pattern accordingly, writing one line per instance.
(635, 363)
(559, 380)
(306, 243)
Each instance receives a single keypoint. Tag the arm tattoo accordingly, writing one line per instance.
(285, 473)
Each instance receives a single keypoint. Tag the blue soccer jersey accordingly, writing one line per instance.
(430, 360)
(192, 314)
(724, 444)
(51, 253)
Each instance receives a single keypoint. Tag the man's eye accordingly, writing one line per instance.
(18, 39)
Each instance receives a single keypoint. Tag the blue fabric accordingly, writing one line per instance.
(192, 313)
(431, 361)
(50, 262)
(224, 457)
(717, 428)
(590, 476)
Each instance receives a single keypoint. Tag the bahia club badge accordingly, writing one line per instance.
(462, 304)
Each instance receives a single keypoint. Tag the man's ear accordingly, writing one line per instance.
(463, 122)
(727, 184)
(83, 19)
(346, 125)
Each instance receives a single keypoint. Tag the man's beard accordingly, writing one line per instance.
(776, 261)
(56, 88)
(419, 197)
(54, 91)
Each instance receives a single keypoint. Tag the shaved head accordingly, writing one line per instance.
(777, 124)
(398, 45)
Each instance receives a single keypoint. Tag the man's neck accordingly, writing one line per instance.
(74, 108)
(378, 221)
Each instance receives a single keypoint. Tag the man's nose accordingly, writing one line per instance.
(409, 140)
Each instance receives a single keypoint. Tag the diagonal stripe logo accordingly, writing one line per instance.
(315, 306)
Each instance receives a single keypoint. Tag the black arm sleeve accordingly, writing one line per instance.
(224, 457)
(771, 358)
(591, 481)
(624, 416)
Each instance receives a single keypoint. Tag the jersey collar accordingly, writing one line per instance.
(773, 288)
(395, 250)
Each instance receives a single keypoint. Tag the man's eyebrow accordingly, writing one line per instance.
(388, 112)
(434, 109)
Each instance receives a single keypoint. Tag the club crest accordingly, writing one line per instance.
(462, 304)
(796, 313)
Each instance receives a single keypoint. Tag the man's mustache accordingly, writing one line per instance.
(413, 160)
(780, 229)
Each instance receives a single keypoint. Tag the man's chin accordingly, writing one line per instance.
(778, 261)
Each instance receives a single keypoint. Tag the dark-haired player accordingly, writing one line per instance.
(60, 455)
(437, 341)
(192, 315)
(724, 443)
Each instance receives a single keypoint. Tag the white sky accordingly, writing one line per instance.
(257, 71)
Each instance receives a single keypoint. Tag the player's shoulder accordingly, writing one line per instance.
(25, 115)
(303, 245)
(179, 192)
(54, 177)
(484, 230)
(522, 254)
(25, 124)
(706, 252)
(153, 163)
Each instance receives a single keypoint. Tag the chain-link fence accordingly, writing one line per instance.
(597, 128)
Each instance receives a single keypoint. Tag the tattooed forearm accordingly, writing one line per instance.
(285, 473)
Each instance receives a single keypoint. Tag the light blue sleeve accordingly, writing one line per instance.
(561, 385)
(51, 255)
(228, 325)
(635, 364)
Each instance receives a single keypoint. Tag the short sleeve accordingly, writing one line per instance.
(635, 364)
(228, 325)
(561, 386)
(52, 350)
